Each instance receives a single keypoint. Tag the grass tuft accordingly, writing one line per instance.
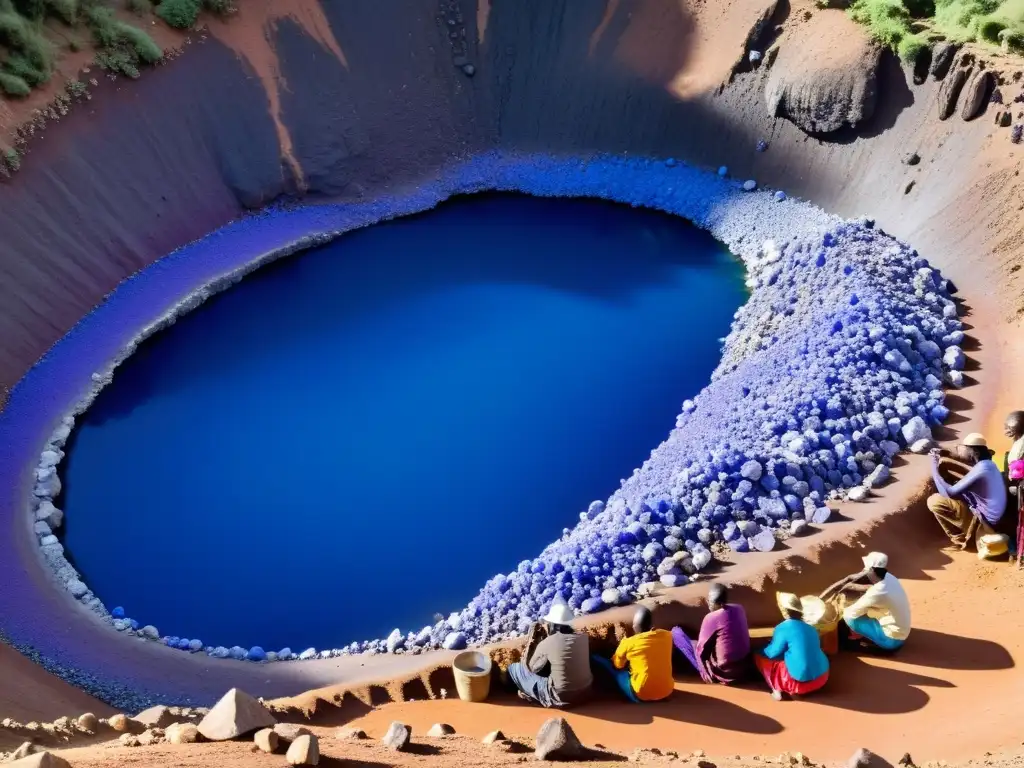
(180, 14)
(12, 85)
(121, 47)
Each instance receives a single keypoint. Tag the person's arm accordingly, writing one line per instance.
(539, 660)
(955, 491)
(867, 601)
(620, 659)
(776, 649)
(940, 484)
(709, 648)
(844, 584)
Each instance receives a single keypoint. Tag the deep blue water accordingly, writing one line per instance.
(358, 437)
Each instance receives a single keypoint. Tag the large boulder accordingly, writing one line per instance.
(41, 760)
(290, 731)
(156, 717)
(305, 750)
(556, 741)
(267, 740)
(826, 75)
(949, 91)
(236, 714)
(942, 59)
(976, 94)
(182, 733)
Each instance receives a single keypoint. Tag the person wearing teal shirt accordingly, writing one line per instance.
(793, 662)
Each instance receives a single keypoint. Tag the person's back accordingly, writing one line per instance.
(799, 645)
(987, 493)
(568, 657)
(649, 658)
(732, 646)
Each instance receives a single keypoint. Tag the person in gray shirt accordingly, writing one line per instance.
(556, 671)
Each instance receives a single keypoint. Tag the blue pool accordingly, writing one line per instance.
(357, 438)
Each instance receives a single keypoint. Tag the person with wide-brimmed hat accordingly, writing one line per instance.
(555, 672)
(978, 499)
(793, 662)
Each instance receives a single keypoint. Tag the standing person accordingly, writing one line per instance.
(882, 614)
(979, 496)
(1013, 428)
(722, 651)
(642, 664)
(556, 673)
(793, 662)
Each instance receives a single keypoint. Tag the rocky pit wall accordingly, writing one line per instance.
(152, 165)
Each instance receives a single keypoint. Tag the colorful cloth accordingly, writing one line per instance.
(685, 646)
(778, 677)
(723, 645)
(648, 656)
(799, 646)
(888, 604)
(620, 676)
(872, 630)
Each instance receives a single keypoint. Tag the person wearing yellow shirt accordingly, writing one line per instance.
(642, 664)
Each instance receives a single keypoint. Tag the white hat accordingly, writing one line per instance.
(789, 602)
(875, 560)
(976, 440)
(560, 612)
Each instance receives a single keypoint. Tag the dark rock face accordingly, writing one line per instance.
(949, 93)
(822, 88)
(976, 94)
(942, 59)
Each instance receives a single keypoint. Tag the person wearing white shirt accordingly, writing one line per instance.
(881, 616)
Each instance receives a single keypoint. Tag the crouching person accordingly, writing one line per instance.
(642, 664)
(793, 662)
(556, 671)
(880, 617)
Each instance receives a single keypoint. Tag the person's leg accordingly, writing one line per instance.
(953, 515)
(871, 631)
(772, 671)
(688, 651)
(620, 676)
(531, 685)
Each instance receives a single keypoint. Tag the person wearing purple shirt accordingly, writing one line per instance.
(980, 495)
(722, 651)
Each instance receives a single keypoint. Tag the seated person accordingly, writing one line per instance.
(722, 651)
(978, 498)
(556, 672)
(642, 664)
(793, 662)
(1013, 428)
(881, 616)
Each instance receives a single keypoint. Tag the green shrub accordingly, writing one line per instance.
(146, 49)
(139, 7)
(13, 85)
(76, 89)
(118, 61)
(65, 10)
(121, 47)
(30, 9)
(13, 159)
(19, 66)
(220, 7)
(180, 14)
(14, 32)
(910, 47)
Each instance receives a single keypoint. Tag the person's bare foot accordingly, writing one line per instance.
(523, 696)
(777, 695)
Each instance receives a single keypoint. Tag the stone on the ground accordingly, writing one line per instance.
(267, 740)
(749, 185)
(305, 750)
(916, 429)
(492, 737)
(397, 737)
(878, 477)
(88, 722)
(440, 729)
(128, 740)
(41, 760)
(182, 733)
(821, 87)
(290, 731)
(906, 759)
(121, 723)
(454, 641)
(155, 717)
(976, 93)
(348, 734)
(236, 714)
(860, 493)
(865, 758)
(798, 528)
(151, 736)
(922, 446)
(26, 749)
(942, 58)
(949, 91)
(150, 632)
(556, 741)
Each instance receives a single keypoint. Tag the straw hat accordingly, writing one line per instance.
(559, 613)
(975, 440)
(811, 608)
(789, 602)
(875, 560)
